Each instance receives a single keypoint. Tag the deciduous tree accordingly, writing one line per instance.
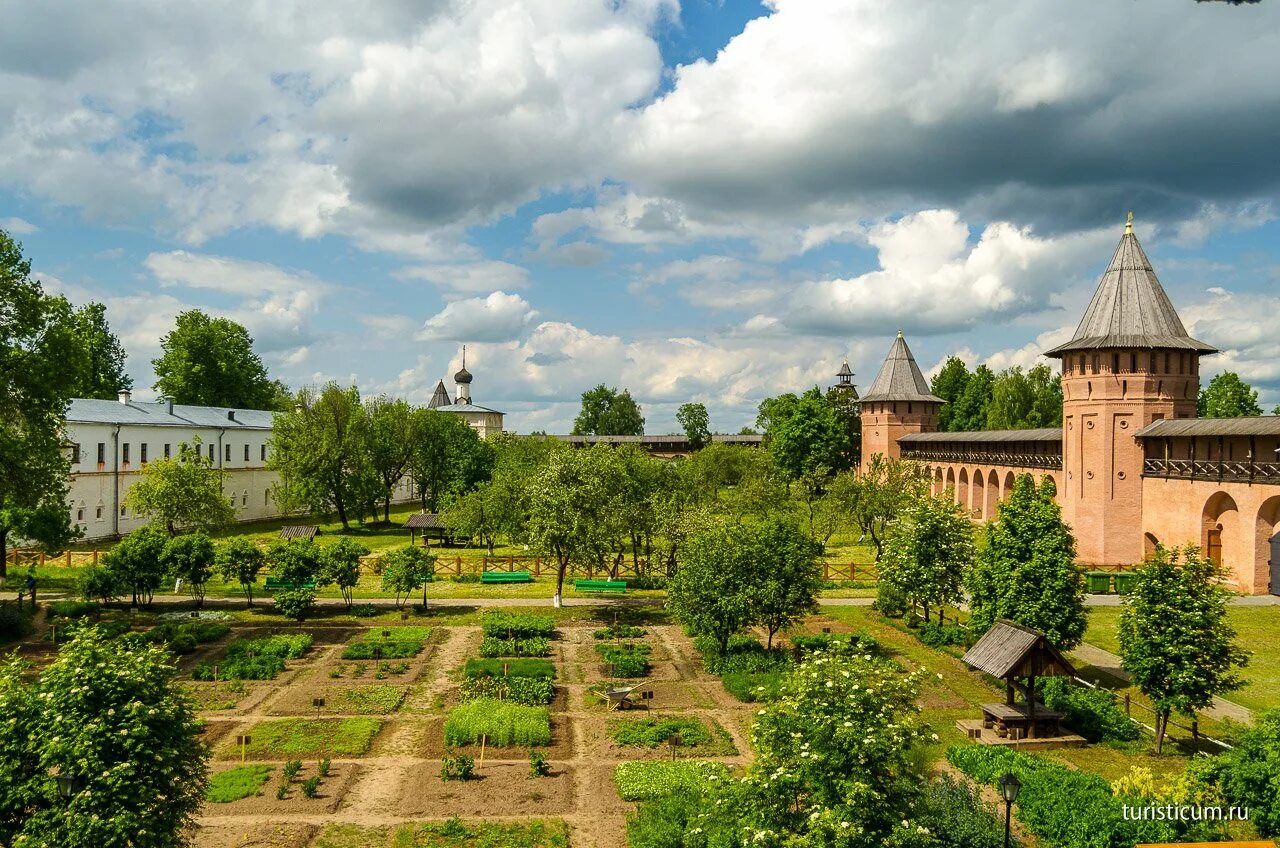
(135, 562)
(788, 578)
(877, 496)
(804, 433)
(693, 419)
(1227, 396)
(969, 412)
(928, 550)
(191, 559)
(1175, 640)
(949, 384)
(392, 440)
(182, 493)
(608, 412)
(1020, 401)
(103, 374)
(712, 592)
(340, 566)
(240, 560)
(210, 361)
(449, 458)
(405, 570)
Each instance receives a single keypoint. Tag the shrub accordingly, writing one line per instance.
(890, 600)
(650, 732)
(625, 659)
(744, 654)
(1249, 775)
(282, 791)
(492, 646)
(638, 781)
(365, 611)
(940, 636)
(72, 609)
(750, 687)
(956, 810)
(234, 784)
(502, 723)
(322, 768)
(518, 625)
(653, 581)
(538, 765)
(619, 631)
(98, 584)
(664, 821)
(529, 691)
(1093, 713)
(310, 786)
(457, 767)
(292, 768)
(15, 622)
(859, 642)
(295, 603)
(509, 668)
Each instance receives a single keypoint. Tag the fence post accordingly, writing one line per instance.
(1126, 705)
(1195, 730)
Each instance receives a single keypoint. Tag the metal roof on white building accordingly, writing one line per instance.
(92, 411)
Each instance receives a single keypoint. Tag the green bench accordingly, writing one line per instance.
(505, 577)
(600, 586)
(274, 583)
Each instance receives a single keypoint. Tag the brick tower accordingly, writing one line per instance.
(897, 403)
(1130, 362)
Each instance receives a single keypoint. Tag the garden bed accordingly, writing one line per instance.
(333, 788)
(561, 747)
(498, 787)
(254, 834)
(297, 738)
(222, 695)
(447, 834)
(668, 696)
(648, 737)
(340, 698)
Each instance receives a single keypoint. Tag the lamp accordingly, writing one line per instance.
(67, 786)
(1009, 788)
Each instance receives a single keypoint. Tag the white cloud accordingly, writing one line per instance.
(1241, 325)
(497, 318)
(472, 277)
(17, 226)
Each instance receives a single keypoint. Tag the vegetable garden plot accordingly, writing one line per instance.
(339, 698)
(497, 787)
(254, 834)
(283, 739)
(329, 792)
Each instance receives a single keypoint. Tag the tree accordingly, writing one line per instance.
(804, 433)
(340, 566)
(970, 409)
(191, 559)
(788, 578)
(713, 591)
(608, 412)
(210, 362)
(41, 360)
(320, 450)
(182, 493)
(878, 495)
(106, 714)
(949, 384)
(1026, 572)
(136, 562)
(448, 457)
(392, 440)
(693, 418)
(240, 560)
(103, 375)
(1227, 396)
(927, 552)
(1175, 640)
(406, 569)
(1020, 401)
(295, 561)
(847, 407)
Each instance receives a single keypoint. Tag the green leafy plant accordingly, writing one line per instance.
(625, 659)
(282, 791)
(503, 724)
(619, 631)
(516, 625)
(1093, 713)
(295, 603)
(384, 649)
(234, 784)
(298, 737)
(456, 767)
(638, 781)
(538, 764)
(650, 732)
(536, 646)
(509, 668)
(291, 769)
(310, 786)
(529, 691)
(322, 768)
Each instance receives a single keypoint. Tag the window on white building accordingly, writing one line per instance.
(80, 513)
(142, 452)
(264, 453)
(228, 453)
(97, 512)
(124, 453)
(211, 456)
(166, 451)
(102, 453)
(246, 453)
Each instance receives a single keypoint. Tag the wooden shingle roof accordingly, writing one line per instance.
(425, 521)
(900, 378)
(1010, 649)
(298, 531)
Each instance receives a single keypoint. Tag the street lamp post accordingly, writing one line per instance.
(1009, 786)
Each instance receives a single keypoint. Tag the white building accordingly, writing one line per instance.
(487, 422)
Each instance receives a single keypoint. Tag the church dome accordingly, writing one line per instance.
(463, 375)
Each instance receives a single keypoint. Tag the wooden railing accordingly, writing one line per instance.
(850, 572)
(1217, 471)
(1049, 461)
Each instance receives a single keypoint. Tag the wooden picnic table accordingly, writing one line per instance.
(1016, 718)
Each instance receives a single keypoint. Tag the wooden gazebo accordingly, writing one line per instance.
(1018, 655)
(430, 526)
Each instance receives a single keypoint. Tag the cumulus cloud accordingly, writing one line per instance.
(1240, 325)
(471, 277)
(17, 226)
(497, 318)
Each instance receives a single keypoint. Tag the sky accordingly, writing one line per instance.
(698, 201)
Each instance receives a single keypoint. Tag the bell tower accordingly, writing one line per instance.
(1129, 363)
(897, 403)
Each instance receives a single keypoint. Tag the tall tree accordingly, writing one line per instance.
(211, 362)
(712, 591)
(970, 409)
(927, 552)
(41, 358)
(182, 493)
(847, 407)
(1227, 396)
(108, 716)
(1020, 401)
(320, 449)
(803, 433)
(1174, 637)
(103, 375)
(240, 560)
(340, 566)
(877, 496)
(608, 412)
(448, 458)
(693, 419)
(949, 384)
(787, 579)
(1027, 572)
(391, 443)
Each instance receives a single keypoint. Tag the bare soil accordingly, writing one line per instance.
(505, 787)
(333, 789)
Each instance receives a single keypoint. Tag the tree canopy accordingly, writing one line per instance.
(103, 375)
(984, 400)
(210, 361)
(927, 552)
(1227, 396)
(182, 493)
(693, 419)
(805, 433)
(608, 412)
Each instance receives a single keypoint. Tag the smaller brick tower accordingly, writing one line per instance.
(897, 403)
(1130, 362)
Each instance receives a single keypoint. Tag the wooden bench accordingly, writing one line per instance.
(505, 577)
(600, 586)
(1015, 719)
(275, 583)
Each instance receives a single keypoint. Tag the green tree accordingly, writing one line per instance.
(191, 559)
(240, 560)
(712, 593)
(448, 458)
(340, 566)
(182, 493)
(608, 412)
(392, 439)
(844, 402)
(693, 419)
(927, 552)
(1020, 401)
(209, 361)
(877, 496)
(1227, 396)
(1175, 640)
(788, 577)
(103, 375)
(804, 433)
(107, 715)
(969, 412)
(41, 360)
(949, 384)
(320, 449)
(406, 569)
(1046, 391)
(295, 561)
(1026, 572)
(136, 563)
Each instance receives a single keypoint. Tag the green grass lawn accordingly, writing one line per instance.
(448, 834)
(299, 737)
(1258, 630)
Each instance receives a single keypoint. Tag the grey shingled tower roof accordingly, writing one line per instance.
(1130, 308)
(440, 397)
(900, 378)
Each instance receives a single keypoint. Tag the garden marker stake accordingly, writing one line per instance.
(483, 737)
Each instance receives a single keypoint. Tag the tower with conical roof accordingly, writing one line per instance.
(898, 402)
(1129, 363)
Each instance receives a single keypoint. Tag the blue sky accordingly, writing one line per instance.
(710, 201)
